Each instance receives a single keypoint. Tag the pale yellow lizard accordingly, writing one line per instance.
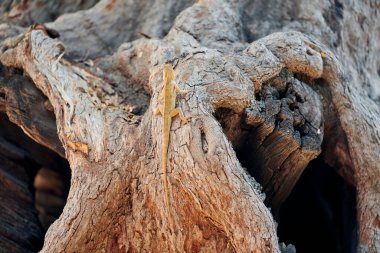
(168, 110)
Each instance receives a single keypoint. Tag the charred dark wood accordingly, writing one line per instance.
(27, 107)
(20, 229)
(40, 199)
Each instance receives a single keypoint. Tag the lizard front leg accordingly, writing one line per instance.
(178, 89)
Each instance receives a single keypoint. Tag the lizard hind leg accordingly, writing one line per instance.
(178, 111)
(157, 111)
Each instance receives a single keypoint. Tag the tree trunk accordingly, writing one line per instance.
(272, 86)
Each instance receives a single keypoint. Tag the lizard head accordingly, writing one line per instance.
(168, 73)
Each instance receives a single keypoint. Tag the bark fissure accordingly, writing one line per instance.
(265, 105)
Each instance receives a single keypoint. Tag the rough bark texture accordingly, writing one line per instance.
(268, 90)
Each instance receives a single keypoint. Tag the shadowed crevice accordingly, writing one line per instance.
(278, 135)
(37, 182)
(320, 213)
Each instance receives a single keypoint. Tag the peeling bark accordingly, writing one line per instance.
(271, 105)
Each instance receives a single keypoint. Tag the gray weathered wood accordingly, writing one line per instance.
(273, 96)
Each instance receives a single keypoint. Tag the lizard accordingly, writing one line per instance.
(168, 110)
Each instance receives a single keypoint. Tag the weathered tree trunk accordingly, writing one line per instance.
(272, 85)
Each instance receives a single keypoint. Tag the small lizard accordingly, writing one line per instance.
(168, 110)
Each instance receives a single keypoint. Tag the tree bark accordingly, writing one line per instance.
(272, 85)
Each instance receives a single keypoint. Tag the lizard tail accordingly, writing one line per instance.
(166, 188)
(165, 175)
(165, 147)
(165, 163)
